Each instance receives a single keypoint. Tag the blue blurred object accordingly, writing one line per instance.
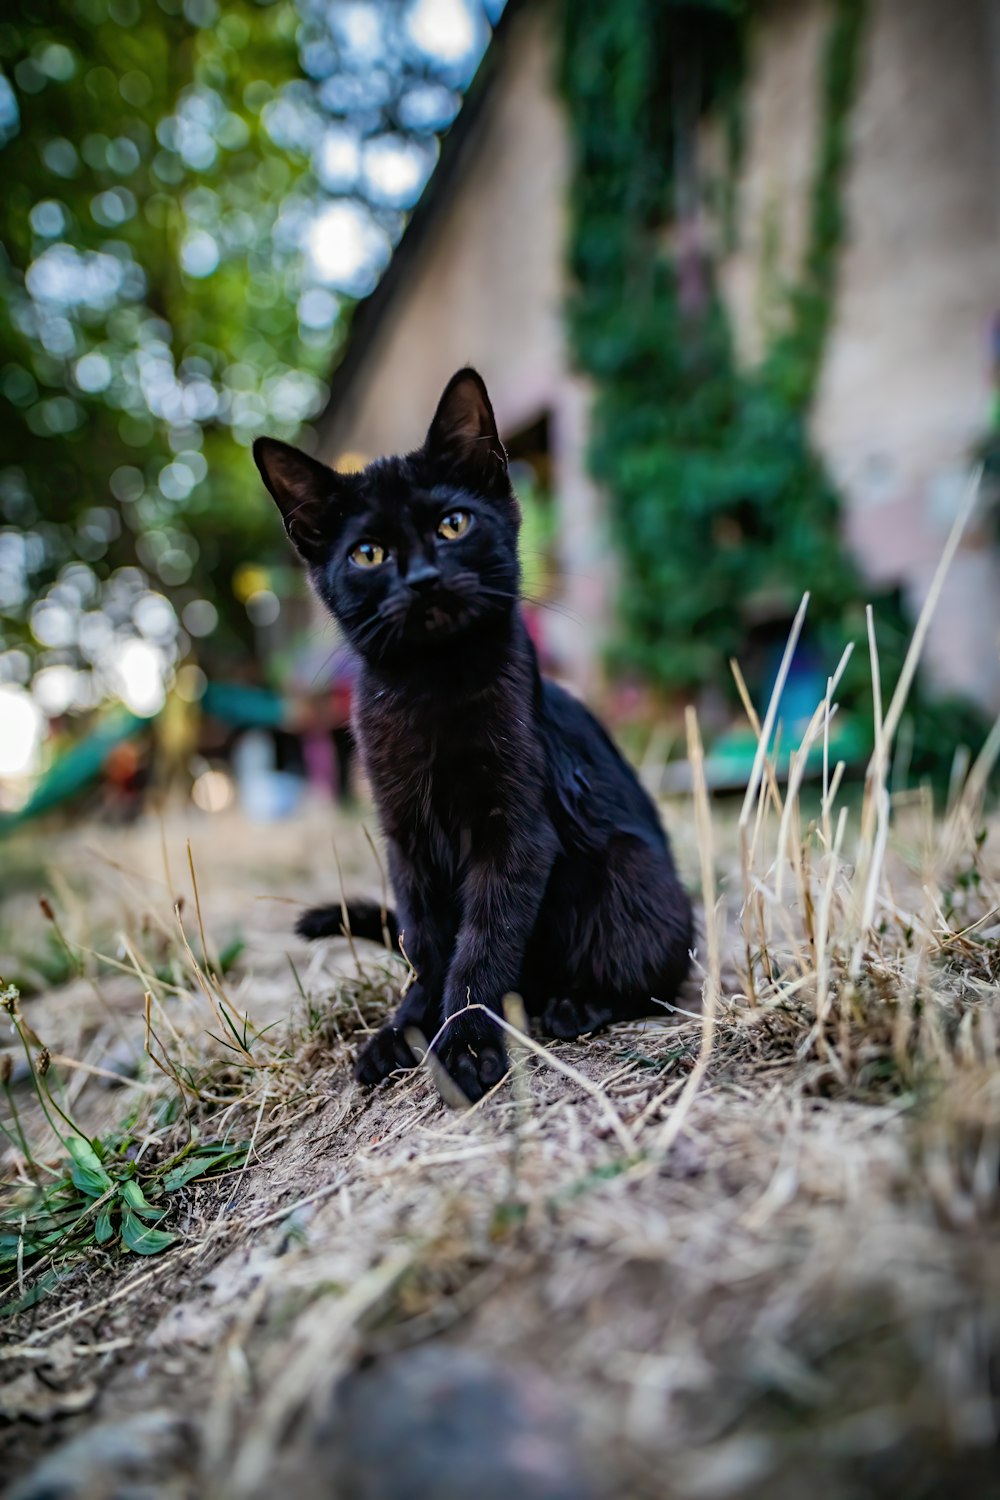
(271, 796)
(241, 706)
(805, 686)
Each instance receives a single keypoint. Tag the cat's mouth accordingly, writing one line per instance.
(435, 619)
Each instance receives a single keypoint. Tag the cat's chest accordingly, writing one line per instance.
(448, 774)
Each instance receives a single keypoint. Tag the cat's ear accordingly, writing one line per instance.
(464, 430)
(310, 496)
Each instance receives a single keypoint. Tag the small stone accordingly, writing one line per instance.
(144, 1457)
(443, 1424)
(17, 1064)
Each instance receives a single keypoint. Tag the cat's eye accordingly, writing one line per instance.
(367, 555)
(455, 524)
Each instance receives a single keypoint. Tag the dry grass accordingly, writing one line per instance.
(754, 1243)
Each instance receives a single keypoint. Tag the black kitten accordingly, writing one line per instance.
(523, 852)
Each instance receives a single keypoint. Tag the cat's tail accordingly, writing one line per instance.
(365, 919)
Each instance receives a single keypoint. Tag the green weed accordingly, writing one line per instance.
(98, 1197)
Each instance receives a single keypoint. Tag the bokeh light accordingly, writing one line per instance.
(213, 791)
(20, 741)
(138, 671)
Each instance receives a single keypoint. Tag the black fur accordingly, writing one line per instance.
(523, 852)
(365, 919)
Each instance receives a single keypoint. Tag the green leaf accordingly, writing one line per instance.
(87, 1172)
(35, 1241)
(202, 1165)
(230, 954)
(104, 1228)
(136, 1199)
(140, 1237)
(41, 1288)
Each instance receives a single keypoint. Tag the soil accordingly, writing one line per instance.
(784, 1296)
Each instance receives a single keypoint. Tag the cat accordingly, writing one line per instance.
(524, 854)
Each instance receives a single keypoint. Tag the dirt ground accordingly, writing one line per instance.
(788, 1287)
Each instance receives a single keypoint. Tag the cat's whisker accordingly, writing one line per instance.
(394, 610)
(554, 606)
(321, 669)
(364, 635)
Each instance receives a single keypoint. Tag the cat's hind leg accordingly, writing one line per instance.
(619, 939)
(567, 1017)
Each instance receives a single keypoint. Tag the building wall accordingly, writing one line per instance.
(905, 391)
(781, 118)
(906, 386)
(488, 289)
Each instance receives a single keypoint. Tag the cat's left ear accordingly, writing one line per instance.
(464, 430)
(311, 497)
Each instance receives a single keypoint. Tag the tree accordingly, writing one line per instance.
(194, 192)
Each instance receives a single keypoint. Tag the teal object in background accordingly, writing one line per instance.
(730, 761)
(244, 707)
(233, 702)
(76, 767)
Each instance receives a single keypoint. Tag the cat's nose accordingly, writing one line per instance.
(422, 576)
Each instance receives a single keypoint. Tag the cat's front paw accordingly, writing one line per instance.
(472, 1053)
(388, 1052)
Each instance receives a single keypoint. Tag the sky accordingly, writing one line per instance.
(349, 242)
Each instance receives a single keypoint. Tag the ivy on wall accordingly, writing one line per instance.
(722, 513)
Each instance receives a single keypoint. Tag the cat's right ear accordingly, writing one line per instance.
(309, 495)
(464, 430)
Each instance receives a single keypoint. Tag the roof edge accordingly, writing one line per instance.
(457, 148)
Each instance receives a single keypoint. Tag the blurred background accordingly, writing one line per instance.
(731, 271)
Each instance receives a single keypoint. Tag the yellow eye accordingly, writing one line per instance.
(368, 555)
(456, 523)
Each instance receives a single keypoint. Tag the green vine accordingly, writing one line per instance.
(721, 511)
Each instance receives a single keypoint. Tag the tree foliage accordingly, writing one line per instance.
(164, 296)
(148, 307)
